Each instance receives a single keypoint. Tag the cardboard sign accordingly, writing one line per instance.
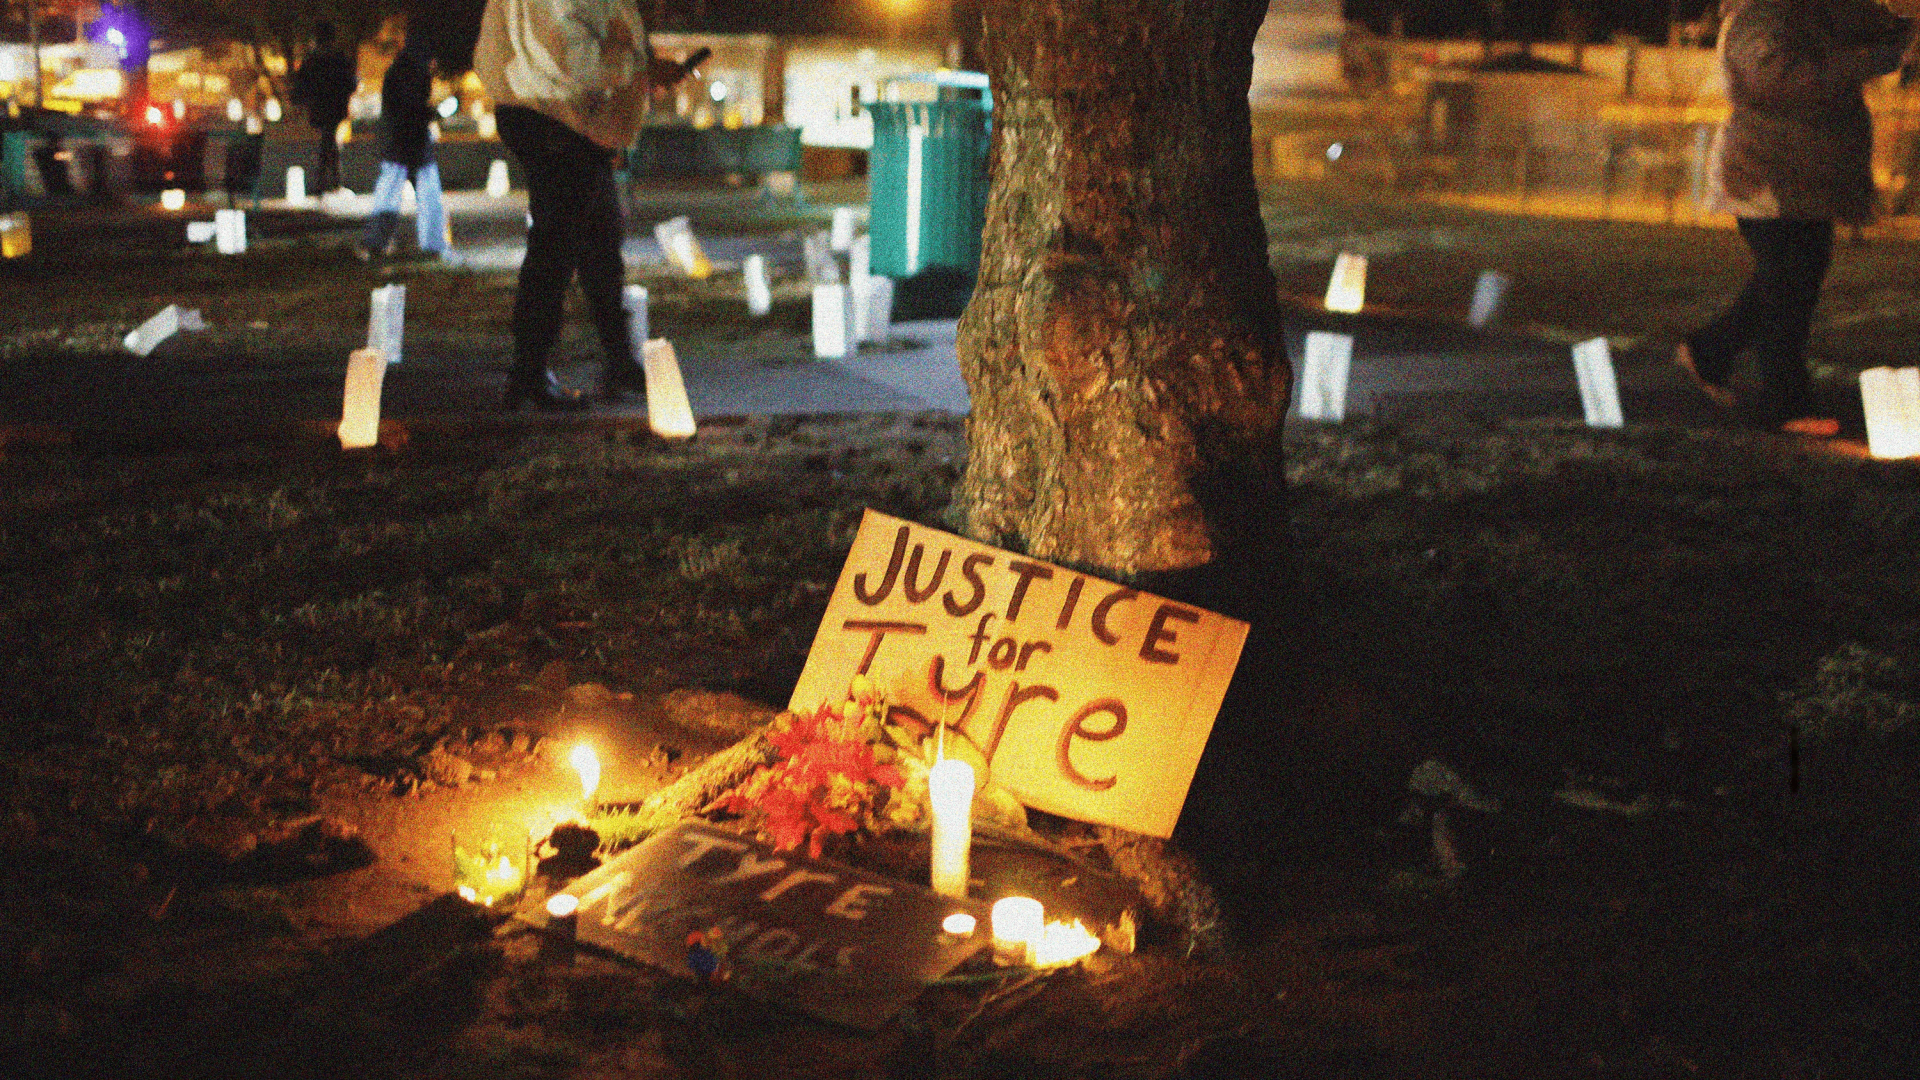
(1090, 700)
(1599, 391)
(1323, 376)
(829, 940)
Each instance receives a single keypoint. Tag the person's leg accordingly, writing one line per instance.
(603, 273)
(539, 301)
(327, 176)
(1791, 265)
(430, 219)
(1712, 349)
(385, 218)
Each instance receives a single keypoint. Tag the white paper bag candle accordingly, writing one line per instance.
(173, 199)
(497, 179)
(1599, 391)
(1891, 398)
(677, 241)
(822, 267)
(759, 295)
(360, 405)
(1347, 289)
(950, 795)
(859, 259)
(879, 326)
(634, 299)
(387, 321)
(830, 317)
(16, 236)
(296, 185)
(843, 223)
(149, 335)
(669, 413)
(230, 232)
(1018, 923)
(199, 232)
(1323, 376)
(1488, 293)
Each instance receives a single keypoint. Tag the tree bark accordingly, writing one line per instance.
(1123, 347)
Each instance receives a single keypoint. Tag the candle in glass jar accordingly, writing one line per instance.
(950, 793)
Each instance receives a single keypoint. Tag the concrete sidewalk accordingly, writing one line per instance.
(242, 379)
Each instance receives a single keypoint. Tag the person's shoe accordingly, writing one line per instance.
(543, 393)
(1717, 392)
(1812, 427)
(620, 381)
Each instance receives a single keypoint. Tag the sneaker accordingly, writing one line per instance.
(1716, 392)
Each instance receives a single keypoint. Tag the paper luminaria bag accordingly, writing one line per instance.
(1090, 700)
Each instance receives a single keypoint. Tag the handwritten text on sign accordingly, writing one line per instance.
(830, 940)
(1090, 700)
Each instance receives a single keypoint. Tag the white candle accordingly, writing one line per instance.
(950, 791)
(1018, 924)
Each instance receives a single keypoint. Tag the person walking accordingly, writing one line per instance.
(322, 86)
(406, 153)
(1793, 158)
(570, 80)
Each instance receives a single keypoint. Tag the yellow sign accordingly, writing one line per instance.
(1089, 699)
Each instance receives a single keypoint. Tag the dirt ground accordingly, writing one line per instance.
(1609, 769)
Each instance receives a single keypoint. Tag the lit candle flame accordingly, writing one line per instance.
(587, 764)
(1064, 943)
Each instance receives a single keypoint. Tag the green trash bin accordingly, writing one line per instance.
(927, 186)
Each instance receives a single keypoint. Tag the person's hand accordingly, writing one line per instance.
(663, 74)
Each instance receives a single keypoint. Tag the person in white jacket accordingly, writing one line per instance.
(571, 81)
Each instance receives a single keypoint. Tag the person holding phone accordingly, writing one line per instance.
(571, 80)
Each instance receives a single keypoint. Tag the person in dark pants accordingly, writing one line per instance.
(406, 153)
(323, 85)
(1793, 157)
(577, 227)
(571, 81)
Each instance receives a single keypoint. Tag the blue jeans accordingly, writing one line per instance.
(430, 222)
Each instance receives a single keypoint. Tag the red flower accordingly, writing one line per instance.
(825, 782)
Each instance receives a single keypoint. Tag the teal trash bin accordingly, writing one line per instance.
(927, 185)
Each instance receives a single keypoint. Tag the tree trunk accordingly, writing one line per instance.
(1123, 347)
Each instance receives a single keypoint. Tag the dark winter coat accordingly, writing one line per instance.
(405, 115)
(1798, 142)
(323, 84)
